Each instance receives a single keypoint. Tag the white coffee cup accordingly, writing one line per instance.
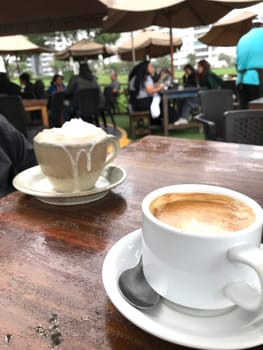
(204, 271)
(73, 157)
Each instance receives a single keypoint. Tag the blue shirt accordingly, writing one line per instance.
(249, 56)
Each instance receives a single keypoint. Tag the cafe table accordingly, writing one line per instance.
(37, 105)
(51, 257)
(256, 104)
(175, 94)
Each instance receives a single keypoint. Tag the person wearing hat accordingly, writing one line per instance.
(249, 63)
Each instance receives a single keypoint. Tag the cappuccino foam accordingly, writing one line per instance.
(202, 212)
(71, 132)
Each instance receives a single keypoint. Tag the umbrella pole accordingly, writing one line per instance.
(17, 65)
(171, 51)
(133, 49)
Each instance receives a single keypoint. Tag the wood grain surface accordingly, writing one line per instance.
(51, 257)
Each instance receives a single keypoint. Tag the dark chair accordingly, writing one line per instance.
(56, 109)
(110, 101)
(244, 126)
(214, 103)
(140, 121)
(40, 91)
(12, 108)
(88, 105)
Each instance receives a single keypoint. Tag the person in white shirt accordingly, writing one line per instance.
(142, 90)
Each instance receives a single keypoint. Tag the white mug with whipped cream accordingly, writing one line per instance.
(72, 157)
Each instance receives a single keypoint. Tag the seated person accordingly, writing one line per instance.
(28, 90)
(164, 76)
(84, 80)
(188, 104)
(206, 78)
(39, 89)
(56, 84)
(115, 83)
(143, 92)
(16, 154)
(7, 87)
(115, 86)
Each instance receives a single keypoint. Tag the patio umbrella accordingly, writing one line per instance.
(33, 16)
(227, 32)
(126, 15)
(85, 49)
(148, 43)
(18, 45)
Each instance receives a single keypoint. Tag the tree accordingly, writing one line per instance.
(224, 57)
(163, 62)
(191, 58)
(105, 38)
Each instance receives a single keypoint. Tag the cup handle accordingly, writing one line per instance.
(239, 292)
(114, 142)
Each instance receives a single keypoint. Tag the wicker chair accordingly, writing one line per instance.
(214, 104)
(244, 126)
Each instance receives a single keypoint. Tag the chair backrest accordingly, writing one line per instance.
(88, 101)
(214, 104)
(244, 126)
(11, 107)
(40, 91)
(56, 108)
(110, 98)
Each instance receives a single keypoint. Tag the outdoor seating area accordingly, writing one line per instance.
(131, 165)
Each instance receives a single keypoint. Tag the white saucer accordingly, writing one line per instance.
(237, 329)
(32, 181)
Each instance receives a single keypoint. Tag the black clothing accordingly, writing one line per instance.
(29, 91)
(247, 92)
(9, 88)
(142, 104)
(16, 154)
(190, 80)
(210, 81)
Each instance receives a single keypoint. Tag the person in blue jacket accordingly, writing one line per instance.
(249, 63)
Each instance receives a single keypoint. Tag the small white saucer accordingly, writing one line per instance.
(32, 181)
(237, 329)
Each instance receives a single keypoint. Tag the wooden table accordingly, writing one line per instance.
(175, 94)
(37, 105)
(51, 257)
(256, 104)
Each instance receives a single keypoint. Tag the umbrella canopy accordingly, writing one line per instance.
(33, 16)
(148, 43)
(228, 31)
(85, 49)
(126, 15)
(20, 44)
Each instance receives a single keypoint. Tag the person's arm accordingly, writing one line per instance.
(151, 88)
(16, 147)
(115, 87)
